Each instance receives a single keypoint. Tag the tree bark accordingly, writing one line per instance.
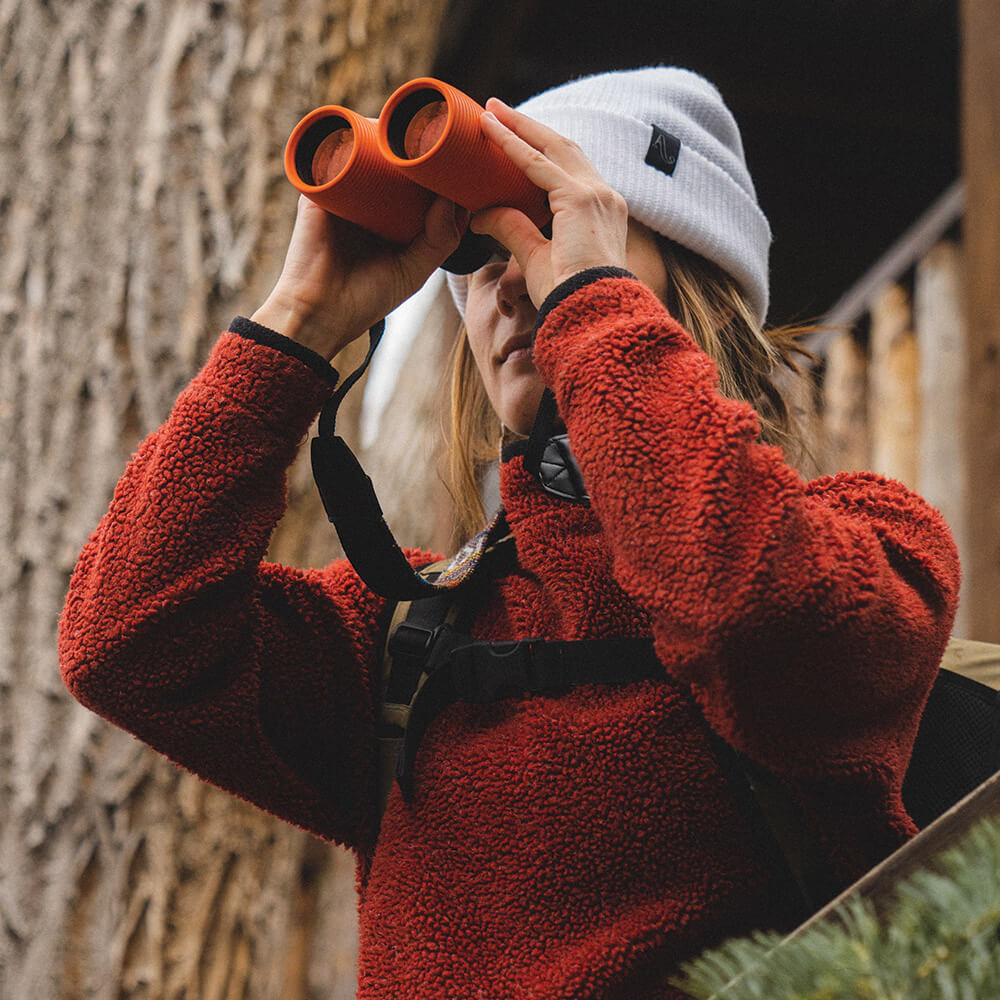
(142, 205)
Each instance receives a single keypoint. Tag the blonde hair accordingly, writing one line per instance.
(708, 303)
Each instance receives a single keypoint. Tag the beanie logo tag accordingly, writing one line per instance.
(663, 151)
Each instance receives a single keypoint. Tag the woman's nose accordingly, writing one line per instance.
(511, 288)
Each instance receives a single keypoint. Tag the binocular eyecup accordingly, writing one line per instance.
(382, 174)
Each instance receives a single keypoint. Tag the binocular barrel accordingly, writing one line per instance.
(333, 158)
(380, 173)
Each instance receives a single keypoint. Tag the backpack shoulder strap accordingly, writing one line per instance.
(416, 630)
(958, 743)
(408, 641)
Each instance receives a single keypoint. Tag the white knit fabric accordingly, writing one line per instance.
(708, 204)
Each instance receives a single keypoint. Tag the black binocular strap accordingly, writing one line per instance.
(351, 504)
(353, 508)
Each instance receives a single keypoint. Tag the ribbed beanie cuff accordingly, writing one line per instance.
(665, 140)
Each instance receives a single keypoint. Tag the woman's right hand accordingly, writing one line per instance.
(338, 280)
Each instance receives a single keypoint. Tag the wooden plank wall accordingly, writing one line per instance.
(891, 396)
(911, 385)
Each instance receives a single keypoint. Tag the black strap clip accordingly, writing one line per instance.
(409, 639)
(485, 672)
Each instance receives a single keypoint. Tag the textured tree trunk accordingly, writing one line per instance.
(142, 204)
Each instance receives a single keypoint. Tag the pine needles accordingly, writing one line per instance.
(940, 942)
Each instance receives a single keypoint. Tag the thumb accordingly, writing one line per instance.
(444, 226)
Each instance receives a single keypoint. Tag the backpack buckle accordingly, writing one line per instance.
(413, 640)
(485, 672)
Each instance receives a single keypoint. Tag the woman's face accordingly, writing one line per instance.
(500, 318)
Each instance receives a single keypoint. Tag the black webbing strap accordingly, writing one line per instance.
(476, 673)
(541, 431)
(412, 643)
(352, 506)
(780, 828)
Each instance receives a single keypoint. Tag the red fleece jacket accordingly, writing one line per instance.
(574, 846)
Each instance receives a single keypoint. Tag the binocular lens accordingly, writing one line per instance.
(425, 128)
(332, 155)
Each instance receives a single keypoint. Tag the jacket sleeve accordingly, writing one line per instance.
(809, 618)
(252, 675)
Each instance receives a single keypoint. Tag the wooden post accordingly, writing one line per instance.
(981, 155)
(845, 402)
(938, 318)
(893, 390)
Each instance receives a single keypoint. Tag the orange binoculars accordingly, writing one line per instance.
(382, 174)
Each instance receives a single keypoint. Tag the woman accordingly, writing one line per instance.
(571, 846)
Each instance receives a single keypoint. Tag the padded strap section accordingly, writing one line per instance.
(353, 508)
(549, 459)
(957, 746)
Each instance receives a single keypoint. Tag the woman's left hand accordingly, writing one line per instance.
(589, 218)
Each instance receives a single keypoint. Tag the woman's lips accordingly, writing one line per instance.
(519, 354)
(517, 349)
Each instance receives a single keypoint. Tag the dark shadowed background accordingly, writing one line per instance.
(849, 108)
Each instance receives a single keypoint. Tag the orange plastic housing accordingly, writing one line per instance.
(333, 157)
(430, 131)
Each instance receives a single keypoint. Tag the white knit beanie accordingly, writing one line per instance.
(663, 138)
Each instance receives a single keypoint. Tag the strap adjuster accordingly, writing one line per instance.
(484, 672)
(413, 640)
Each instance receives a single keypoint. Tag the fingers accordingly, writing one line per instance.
(444, 226)
(536, 148)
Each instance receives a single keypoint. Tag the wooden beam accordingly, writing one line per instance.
(892, 265)
(845, 433)
(981, 155)
(881, 884)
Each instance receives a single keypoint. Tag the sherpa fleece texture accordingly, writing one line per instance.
(557, 847)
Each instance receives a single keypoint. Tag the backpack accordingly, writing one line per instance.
(430, 662)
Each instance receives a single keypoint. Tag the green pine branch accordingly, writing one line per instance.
(939, 942)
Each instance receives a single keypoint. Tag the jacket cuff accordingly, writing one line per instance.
(271, 338)
(573, 284)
